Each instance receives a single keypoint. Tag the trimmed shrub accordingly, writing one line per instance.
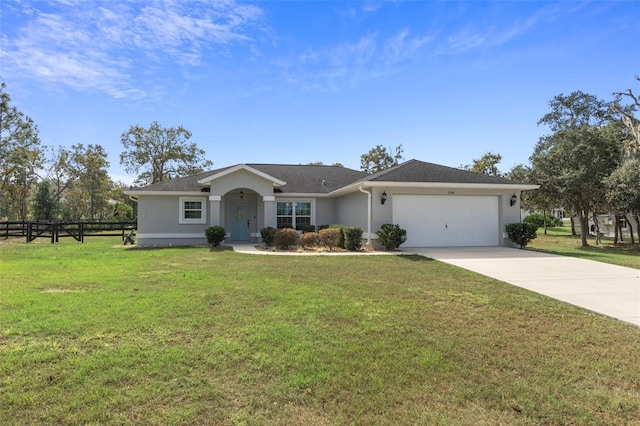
(285, 238)
(352, 237)
(268, 235)
(538, 220)
(308, 228)
(321, 227)
(215, 235)
(522, 233)
(309, 239)
(341, 236)
(329, 237)
(391, 236)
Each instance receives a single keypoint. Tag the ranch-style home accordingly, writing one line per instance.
(438, 206)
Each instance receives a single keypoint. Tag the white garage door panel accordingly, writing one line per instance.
(447, 221)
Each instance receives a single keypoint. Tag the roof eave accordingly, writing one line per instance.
(454, 185)
(208, 179)
(167, 193)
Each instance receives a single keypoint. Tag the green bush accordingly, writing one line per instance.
(308, 239)
(352, 237)
(285, 238)
(538, 220)
(268, 235)
(340, 228)
(308, 228)
(215, 235)
(522, 233)
(329, 237)
(391, 236)
(121, 212)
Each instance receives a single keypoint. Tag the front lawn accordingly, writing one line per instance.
(560, 241)
(94, 334)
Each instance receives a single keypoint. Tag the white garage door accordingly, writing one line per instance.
(447, 221)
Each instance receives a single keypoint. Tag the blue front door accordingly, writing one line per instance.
(241, 223)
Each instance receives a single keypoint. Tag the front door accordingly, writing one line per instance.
(241, 223)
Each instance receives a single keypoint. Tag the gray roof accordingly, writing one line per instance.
(314, 179)
(299, 179)
(421, 171)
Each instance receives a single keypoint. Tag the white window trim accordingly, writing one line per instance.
(296, 200)
(203, 219)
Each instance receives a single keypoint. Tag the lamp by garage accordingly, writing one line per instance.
(384, 197)
(241, 194)
(514, 199)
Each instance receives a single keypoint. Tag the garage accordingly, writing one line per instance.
(447, 220)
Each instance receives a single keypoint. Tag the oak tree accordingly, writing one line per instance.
(20, 158)
(158, 154)
(583, 149)
(379, 158)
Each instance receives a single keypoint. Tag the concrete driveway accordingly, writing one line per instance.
(599, 287)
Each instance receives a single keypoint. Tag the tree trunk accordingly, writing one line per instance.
(637, 219)
(573, 227)
(633, 241)
(583, 215)
(619, 223)
(616, 228)
(596, 226)
(544, 220)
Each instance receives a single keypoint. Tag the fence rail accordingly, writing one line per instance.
(78, 230)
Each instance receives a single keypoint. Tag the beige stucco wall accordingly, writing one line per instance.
(351, 210)
(158, 222)
(241, 179)
(325, 211)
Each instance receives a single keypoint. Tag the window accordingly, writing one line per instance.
(192, 210)
(293, 214)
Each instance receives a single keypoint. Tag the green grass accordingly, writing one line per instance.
(94, 334)
(560, 241)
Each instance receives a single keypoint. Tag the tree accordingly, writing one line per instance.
(88, 192)
(44, 202)
(158, 154)
(632, 143)
(320, 163)
(487, 164)
(572, 163)
(623, 189)
(20, 158)
(379, 158)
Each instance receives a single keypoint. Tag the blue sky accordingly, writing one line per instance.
(297, 82)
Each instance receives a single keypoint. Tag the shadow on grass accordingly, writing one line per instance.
(159, 248)
(415, 258)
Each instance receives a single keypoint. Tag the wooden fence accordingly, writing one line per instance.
(54, 230)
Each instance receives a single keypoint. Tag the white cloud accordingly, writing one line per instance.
(348, 63)
(96, 46)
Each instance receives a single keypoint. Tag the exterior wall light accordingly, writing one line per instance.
(242, 194)
(514, 199)
(384, 197)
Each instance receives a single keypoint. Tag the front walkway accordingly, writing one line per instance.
(599, 287)
(251, 249)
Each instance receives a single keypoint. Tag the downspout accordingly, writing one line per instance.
(368, 215)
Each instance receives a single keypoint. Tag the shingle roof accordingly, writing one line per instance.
(312, 179)
(421, 171)
(299, 178)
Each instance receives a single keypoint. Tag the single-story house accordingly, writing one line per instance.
(437, 205)
(607, 225)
